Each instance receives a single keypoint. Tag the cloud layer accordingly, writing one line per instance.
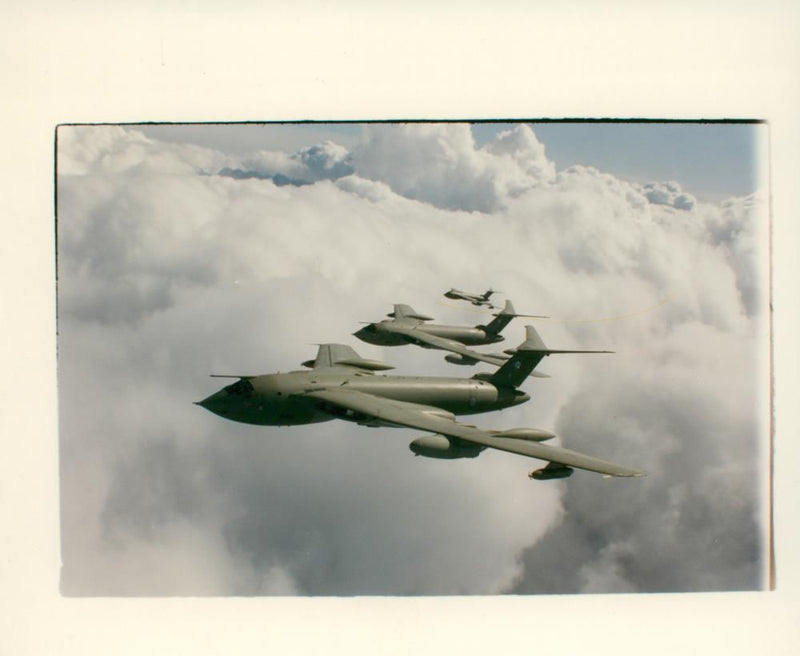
(177, 261)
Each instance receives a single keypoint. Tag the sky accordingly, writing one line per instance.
(216, 249)
(716, 160)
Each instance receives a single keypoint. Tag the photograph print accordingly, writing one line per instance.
(413, 358)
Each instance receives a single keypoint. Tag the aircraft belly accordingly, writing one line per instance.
(475, 338)
(383, 338)
(391, 339)
(263, 412)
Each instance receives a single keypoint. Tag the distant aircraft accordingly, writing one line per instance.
(475, 299)
(408, 326)
(343, 385)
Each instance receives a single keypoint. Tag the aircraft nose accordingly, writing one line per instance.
(367, 333)
(215, 403)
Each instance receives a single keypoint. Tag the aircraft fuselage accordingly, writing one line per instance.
(475, 299)
(276, 399)
(381, 334)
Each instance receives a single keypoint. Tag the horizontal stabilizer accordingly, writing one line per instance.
(525, 359)
(533, 344)
(503, 318)
(509, 311)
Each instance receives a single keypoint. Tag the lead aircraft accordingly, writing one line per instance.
(343, 385)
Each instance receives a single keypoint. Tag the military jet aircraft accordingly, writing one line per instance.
(343, 385)
(407, 326)
(475, 299)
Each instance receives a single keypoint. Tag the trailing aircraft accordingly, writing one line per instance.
(407, 326)
(343, 385)
(475, 299)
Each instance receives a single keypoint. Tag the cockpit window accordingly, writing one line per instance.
(240, 388)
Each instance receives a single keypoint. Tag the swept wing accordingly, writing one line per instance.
(370, 409)
(422, 338)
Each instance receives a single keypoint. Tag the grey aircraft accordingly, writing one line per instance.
(475, 299)
(407, 326)
(343, 385)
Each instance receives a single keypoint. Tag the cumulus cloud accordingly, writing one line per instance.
(439, 164)
(111, 149)
(693, 522)
(177, 261)
(668, 193)
(326, 161)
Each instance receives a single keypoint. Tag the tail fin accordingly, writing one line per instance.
(504, 317)
(527, 356)
(501, 319)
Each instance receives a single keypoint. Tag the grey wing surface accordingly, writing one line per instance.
(422, 338)
(429, 418)
(426, 339)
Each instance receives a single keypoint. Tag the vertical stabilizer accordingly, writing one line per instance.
(501, 319)
(504, 317)
(527, 356)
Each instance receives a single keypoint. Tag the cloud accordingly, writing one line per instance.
(668, 193)
(111, 149)
(692, 524)
(172, 267)
(325, 161)
(439, 164)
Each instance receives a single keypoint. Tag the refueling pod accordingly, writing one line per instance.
(441, 446)
(529, 434)
(552, 471)
(458, 358)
